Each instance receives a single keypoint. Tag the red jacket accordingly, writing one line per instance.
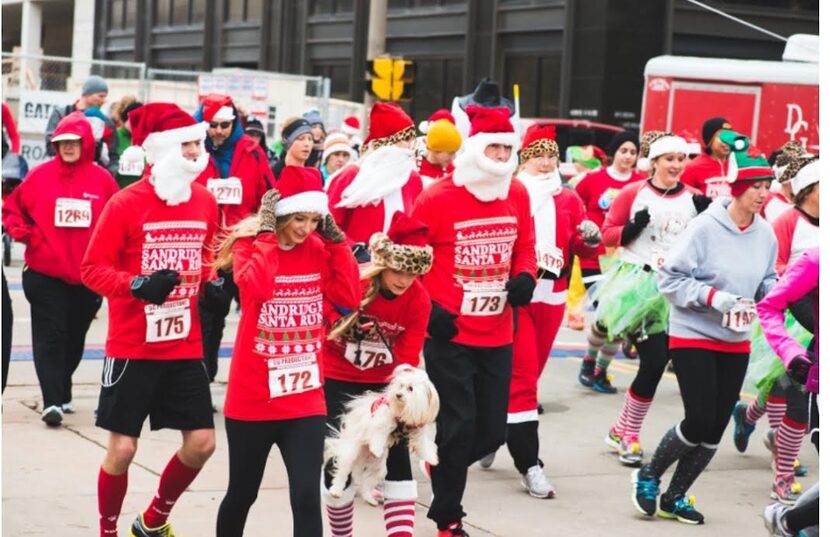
(477, 246)
(597, 190)
(56, 195)
(139, 234)
(702, 173)
(275, 370)
(250, 165)
(403, 323)
(361, 222)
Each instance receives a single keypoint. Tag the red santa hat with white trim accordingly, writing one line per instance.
(492, 125)
(301, 191)
(350, 126)
(163, 127)
(217, 107)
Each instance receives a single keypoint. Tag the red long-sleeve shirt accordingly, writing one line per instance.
(708, 175)
(139, 234)
(796, 233)
(477, 247)
(403, 324)
(275, 370)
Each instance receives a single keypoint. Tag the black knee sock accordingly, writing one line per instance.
(670, 449)
(523, 444)
(689, 467)
(802, 516)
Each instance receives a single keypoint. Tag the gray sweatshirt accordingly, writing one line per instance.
(713, 253)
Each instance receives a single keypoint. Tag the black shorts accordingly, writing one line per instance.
(174, 393)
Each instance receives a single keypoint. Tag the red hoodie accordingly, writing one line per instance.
(54, 211)
(250, 166)
(708, 175)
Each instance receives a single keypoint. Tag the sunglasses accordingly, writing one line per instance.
(223, 124)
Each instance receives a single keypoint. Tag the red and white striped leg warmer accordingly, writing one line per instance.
(618, 429)
(399, 507)
(340, 512)
(755, 411)
(776, 408)
(638, 408)
(788, 440)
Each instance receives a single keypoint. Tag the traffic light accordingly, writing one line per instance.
(392, 78)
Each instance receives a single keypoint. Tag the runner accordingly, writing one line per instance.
(53, 212)
(442, 143)
(484, 267)
(150, 256)
(707, 171)
(363, 350)
(561, 231)
(275, 395)
(713, 274)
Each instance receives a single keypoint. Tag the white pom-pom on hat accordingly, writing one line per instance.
(644, 164)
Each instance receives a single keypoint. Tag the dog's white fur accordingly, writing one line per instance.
(361, 446)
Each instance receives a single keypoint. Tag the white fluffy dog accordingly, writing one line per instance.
(374, 422)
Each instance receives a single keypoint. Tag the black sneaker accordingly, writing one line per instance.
(454, 530)
(586, 373)
(742, 429)
(645, 493)
(138, 529)
(680, 509)
(602, 384)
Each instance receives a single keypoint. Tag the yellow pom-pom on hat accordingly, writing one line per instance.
(443, 136)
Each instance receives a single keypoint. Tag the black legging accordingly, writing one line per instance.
(654, 355)
(249, 442)
(710, 384)
(7, 330)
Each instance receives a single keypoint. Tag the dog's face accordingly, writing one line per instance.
(412, 396)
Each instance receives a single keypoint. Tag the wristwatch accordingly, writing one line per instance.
(137, 282)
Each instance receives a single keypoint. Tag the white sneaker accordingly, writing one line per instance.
(536, 484)
(487, 460)
(52, 415)
(774, 520)
(68, 408)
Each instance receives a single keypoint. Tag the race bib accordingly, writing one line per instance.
(550, 259)
(126, 167)
(168, 322)
(291, 375)
(658, 258)
(741, 316)
(226, 191)
(71, 212)
(483, 303)
(718, 188)
(367, 354)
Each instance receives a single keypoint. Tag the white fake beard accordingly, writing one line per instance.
(382, 171)
(173, 175)
(540, 187)
(484, 178)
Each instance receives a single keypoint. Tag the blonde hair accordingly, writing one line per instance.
(249, 227)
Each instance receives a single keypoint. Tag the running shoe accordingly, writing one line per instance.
(586, 373)
(68, 408)
(52, 416)
(602, 382)
(540, 409)
(681, 509)
(138, 529)
(613, 441)
(536, 484)
(629, 451)
(453, 530)
(742, 429)
(645, 493)
(799, 469)
(774, 520)
(786, 491)
(487, 460)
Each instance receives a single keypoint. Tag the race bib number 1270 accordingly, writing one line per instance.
(226, 191)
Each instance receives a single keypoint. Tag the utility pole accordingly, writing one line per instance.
(376, 46)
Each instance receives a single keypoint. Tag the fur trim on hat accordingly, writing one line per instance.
(408, 133)
(405, 258)
(539, 147)
(665, 145)
(157, 144)
(806, 176)
(310, 201)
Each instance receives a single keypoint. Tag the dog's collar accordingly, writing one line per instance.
(379, 402)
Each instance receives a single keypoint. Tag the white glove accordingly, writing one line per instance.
(723, 301)
(589, 232)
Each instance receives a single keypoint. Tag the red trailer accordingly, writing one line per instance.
(770, 101)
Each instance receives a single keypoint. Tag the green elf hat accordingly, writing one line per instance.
(747, 167)
(735, 140)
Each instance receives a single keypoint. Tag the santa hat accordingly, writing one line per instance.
(807, 173)
(789, 153)
(334, 143)
(131, 161)
(492, 125)
(442, 135)
(217, 107)
(350, 125)
(388, 125)
(163, 127)
(539, 139)
(301, 191)
(403, 247)
(441, 113)
(654, 144)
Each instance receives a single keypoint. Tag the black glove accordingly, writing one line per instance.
(441, 324)
(799, 368)
(632, 229)
(216, 298)
(520, 289)
(361, 253)
(701, 202)
(156, 287)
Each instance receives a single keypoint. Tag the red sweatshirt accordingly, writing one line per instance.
(707, 175)
(139, 234)
(403, 323)
(597, 190)
(477, 247)
(275, 370)
(58, 205)
(361, 222)
(11, 129)
(250, 167)
(796, 233)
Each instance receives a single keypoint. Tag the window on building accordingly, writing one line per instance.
(436, 83)
(538, 80)
(162, 15)
(180, 13)
(129, 13)
(116, 14)
(407, 4)
(243, 10)
(339, 75)
(330, 7)
(197, 11)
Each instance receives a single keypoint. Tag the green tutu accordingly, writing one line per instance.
(628, 301)
(764, 365)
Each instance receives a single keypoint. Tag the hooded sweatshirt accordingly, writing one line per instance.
(713, 254)
(56, 208)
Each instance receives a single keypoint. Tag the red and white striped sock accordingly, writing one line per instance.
(340, 519)
(636, 414)
(620, 425)
(754, 412)
(399, 517)
(788, 440)
(776, 408)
